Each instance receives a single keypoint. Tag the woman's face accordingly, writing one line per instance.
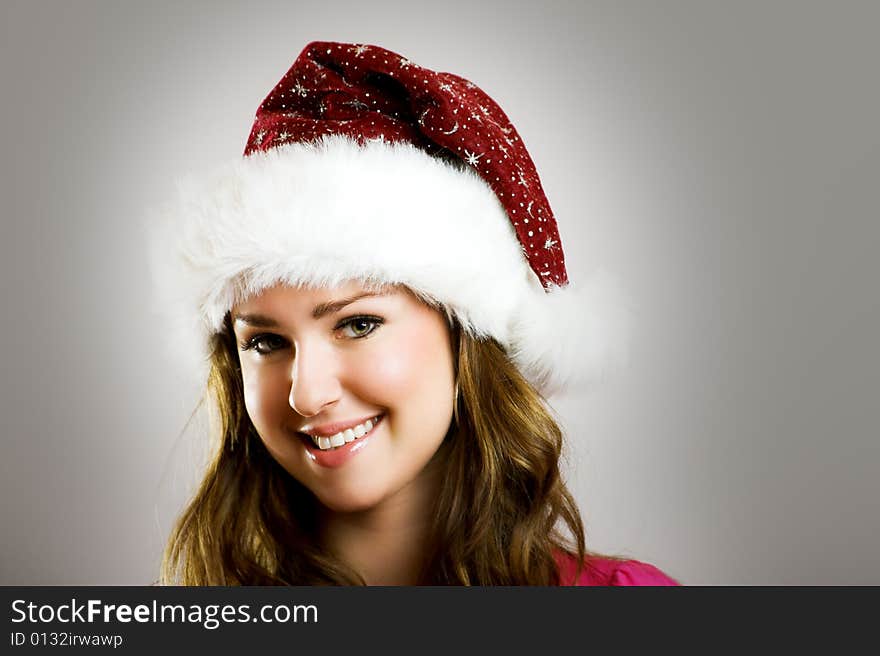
(310, 359)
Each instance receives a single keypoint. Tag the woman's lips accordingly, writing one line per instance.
(338, 456)
(329, 430)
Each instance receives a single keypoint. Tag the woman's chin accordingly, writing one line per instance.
(349, 502)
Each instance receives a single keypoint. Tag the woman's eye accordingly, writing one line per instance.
(263, 344)
(360, 327)
(356, 327)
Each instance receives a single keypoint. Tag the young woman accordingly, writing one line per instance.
(379, 293)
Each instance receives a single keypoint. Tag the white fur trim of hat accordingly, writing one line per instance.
(334, 210)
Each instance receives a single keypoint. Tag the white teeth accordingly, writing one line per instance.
(346, 436)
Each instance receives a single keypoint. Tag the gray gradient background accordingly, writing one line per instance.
(721, 158)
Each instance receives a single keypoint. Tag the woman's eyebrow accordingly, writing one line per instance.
(321, 310)
(256, 320)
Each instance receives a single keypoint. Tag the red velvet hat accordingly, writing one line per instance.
(363, 165)
(366, 92)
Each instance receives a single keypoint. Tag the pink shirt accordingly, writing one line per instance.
(605, 571)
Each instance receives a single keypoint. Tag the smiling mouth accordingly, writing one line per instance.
(347, 436)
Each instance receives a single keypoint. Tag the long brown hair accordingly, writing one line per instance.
(503, 514)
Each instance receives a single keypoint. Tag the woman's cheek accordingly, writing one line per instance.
(390, 377)
(416, 375)
(262, 397)
(395, 372)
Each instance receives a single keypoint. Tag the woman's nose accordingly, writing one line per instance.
(314, 380)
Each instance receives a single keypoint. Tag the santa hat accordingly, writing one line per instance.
(362, 165)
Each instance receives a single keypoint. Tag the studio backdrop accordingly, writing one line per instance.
(722, 160)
